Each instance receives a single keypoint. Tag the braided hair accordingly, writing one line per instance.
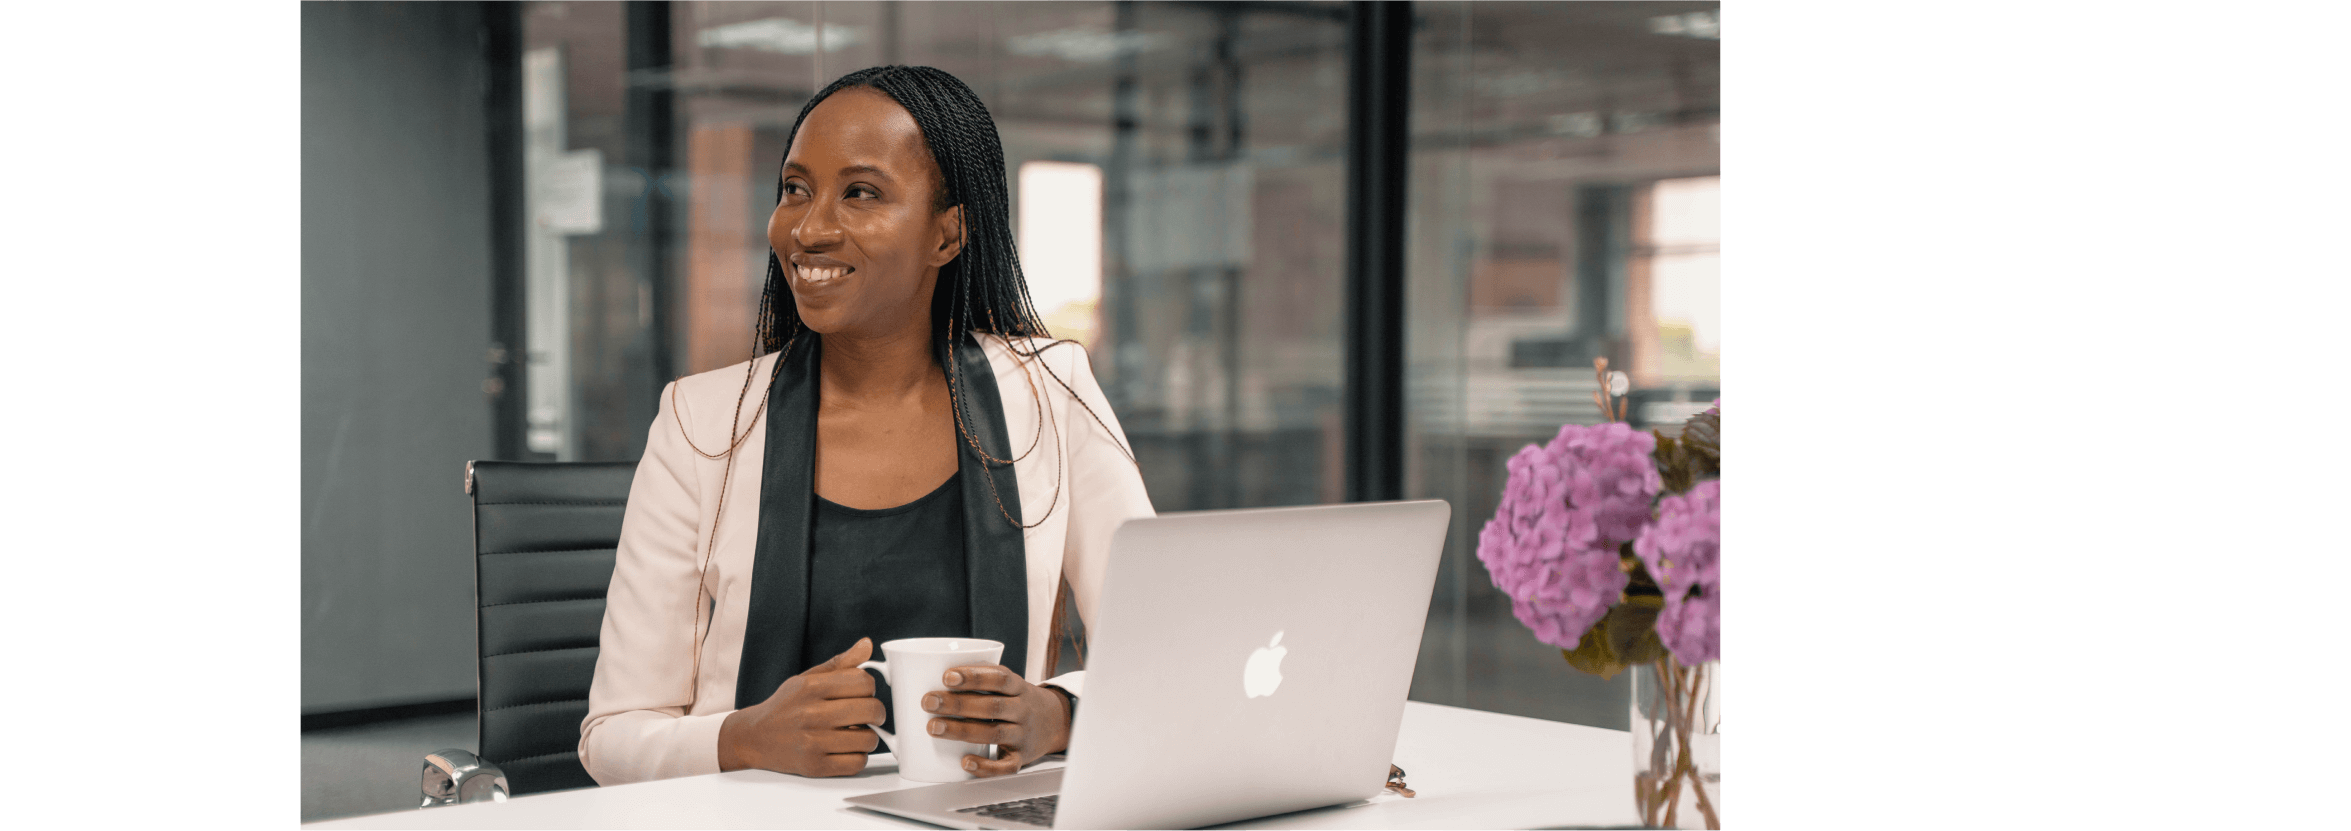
(981, 291)
(983, 288)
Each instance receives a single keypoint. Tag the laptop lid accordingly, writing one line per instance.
(1249, 663)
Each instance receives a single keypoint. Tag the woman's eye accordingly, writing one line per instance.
(861, 192)
(794, 189)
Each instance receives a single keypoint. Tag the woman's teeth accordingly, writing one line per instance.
(820, 275)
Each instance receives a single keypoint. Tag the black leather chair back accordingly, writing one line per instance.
(544, 539)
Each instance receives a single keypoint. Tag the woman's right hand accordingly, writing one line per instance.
(816, 724)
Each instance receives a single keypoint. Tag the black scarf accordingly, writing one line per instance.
(778, 618)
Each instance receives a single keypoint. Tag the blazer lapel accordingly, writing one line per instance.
(778, 616)
(994, 546)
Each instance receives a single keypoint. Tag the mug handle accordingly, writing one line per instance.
(888, 740)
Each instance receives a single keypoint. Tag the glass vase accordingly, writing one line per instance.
(1677, 744)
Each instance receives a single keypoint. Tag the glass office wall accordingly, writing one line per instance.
(1191, 155)
(1178, 183)
(590, 377)
(1564, 169)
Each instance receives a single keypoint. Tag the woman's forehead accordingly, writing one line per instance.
(860, 127)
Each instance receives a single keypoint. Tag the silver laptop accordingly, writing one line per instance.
(1247, 663)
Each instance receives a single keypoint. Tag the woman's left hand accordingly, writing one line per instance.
(993, 705)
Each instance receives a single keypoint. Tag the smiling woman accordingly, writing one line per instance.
(861, 195)
(884, 495)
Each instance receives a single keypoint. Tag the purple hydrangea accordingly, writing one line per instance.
(1566, 509)
(1683, 553)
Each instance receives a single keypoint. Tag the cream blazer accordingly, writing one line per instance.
(652, 714)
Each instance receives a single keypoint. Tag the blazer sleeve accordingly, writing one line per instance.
(1105, 490)
(637, 727)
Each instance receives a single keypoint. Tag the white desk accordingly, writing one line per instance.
(1471, 769)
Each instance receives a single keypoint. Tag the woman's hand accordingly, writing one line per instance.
(993, 705)
(814, 725)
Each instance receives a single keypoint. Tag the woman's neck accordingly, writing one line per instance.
(886, 368)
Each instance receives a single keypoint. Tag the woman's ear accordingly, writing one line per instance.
(949, 225)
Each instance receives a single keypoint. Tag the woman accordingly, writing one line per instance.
(907, 455)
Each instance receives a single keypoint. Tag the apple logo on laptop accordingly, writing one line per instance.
(1264, 672)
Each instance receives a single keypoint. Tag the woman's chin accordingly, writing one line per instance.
(823, 317)
(822, 324)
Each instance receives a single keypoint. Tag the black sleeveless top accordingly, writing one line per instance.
(887, 574)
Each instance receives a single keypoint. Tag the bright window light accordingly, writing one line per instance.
(1060, 225)
(1687, 230)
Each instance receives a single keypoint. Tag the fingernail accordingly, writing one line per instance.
(938, 728)
(971, 764)
(954, 678)
(930, 703)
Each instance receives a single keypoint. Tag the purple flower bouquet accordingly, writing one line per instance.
(1609, 543)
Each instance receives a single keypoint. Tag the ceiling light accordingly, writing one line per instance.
(1083, 44)
(1703, 25)
(780, 34)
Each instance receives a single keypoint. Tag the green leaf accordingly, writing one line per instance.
(1592, 655)
(1701, 446)
(1672, 463)
(1624, 637)
(1630, 629)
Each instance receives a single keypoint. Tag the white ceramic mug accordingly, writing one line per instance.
(914, 667)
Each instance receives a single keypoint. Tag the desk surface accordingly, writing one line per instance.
(1471, 769)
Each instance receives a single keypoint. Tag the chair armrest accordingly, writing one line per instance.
(452, 776)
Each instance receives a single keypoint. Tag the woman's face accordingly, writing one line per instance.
(860, 244)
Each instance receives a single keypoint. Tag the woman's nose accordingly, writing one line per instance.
(817, 227)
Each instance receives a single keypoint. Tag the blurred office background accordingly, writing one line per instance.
(520, 220)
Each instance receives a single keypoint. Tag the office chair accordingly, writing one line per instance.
(544, 540)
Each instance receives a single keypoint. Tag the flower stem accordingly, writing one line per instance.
(1645, 791)
(1706, 807)
(1696, 712)
(1675, 721)
(1672, 682)
(1650, 786)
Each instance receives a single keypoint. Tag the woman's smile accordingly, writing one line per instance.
(809, 271)
(859, 182)
(820, 276)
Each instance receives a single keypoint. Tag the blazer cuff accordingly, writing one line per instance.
(1074, 683)
(652, 746)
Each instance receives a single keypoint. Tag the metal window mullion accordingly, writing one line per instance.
(1378, 100)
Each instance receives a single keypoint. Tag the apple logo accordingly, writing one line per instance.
(1264, 672)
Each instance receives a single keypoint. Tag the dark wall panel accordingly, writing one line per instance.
(396, 298)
